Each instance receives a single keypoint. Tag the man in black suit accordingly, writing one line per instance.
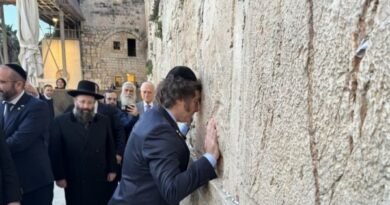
(82, 150)
(111, 98)
(9, 183)
(155, 166)
(113, 113)
(47, 96)
(25, 123)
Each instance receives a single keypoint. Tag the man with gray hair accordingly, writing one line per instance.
(128, 95)
(129, 115)
(147, 94)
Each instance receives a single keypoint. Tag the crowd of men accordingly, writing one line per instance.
(102, 149)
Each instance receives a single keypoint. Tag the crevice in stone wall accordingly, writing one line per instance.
(350, 143)
(309, 73)
(363, 107)
(358, 36)
(200, 23)
(264, 137)
(233, 23)
(333, 187)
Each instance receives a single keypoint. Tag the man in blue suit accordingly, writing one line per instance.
(155, 166)
(25, 121)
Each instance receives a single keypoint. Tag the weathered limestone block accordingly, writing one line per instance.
(301, 119)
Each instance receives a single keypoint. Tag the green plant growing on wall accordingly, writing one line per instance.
(149, 67)
(154, 16)
(159, 30)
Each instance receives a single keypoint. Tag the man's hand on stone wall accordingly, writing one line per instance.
(211, 139)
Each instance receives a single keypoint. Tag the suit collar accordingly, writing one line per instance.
(171, 120)
(21, 102)
(170, 114)
(18, 107)
(16, 100)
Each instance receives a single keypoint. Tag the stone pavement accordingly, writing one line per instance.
(59, 197)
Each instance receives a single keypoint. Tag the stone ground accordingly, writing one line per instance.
(59, 197)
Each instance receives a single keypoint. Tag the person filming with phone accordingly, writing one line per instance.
(130, 114)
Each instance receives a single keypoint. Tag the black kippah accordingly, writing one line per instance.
(18, 69)
(183, 72)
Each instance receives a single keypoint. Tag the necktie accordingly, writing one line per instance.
(7, 110)
(147, 107)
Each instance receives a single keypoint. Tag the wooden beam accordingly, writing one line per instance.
(8, 1)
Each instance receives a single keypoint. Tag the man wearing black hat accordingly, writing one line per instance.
(25, 121)
(155, 166)
(82, 150)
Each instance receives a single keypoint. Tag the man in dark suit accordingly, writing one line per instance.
(25, 123)
(155, 166)
(118, 133)
(111, 98)
(147, 95)
(82, 150)
(9, 183)
(129, 115)
(47, 96)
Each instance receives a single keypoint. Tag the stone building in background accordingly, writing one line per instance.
(113, 41)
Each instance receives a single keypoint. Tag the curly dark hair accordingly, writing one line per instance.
(176, 88)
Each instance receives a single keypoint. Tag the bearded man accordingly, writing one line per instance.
(128, 95)
(130, 114)
(25, 122)
(82, 150)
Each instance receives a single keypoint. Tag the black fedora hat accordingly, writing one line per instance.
(86, 87)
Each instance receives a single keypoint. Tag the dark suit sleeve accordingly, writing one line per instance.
(33, 126)
(10, 182)
(118, 131)
(128, 121)
(56, 151)
(110, 147)
(163, 154)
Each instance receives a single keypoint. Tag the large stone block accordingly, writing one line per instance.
(301, 119)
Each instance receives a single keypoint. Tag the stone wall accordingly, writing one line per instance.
(108, 21)
(301, 119)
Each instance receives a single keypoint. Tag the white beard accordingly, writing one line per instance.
(127, 100)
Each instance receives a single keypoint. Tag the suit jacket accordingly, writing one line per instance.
(9, 183)
(113, 114)
(141, 107)
(155, 167)
(26, 132)
(50, 103)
